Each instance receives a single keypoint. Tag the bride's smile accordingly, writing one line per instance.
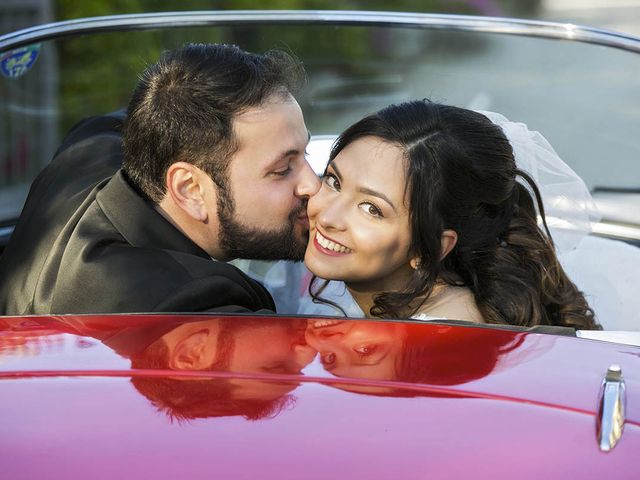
(329, 246)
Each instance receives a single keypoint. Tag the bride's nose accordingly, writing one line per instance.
(332, 215)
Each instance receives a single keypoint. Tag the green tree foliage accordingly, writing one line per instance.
(98, 72)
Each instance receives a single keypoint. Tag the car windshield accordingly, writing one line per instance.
(584, 97)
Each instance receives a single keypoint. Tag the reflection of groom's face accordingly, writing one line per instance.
(231, 345)
(270, 347)
(239, 345)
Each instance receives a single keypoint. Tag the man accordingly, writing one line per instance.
(253, 349)
(213, 168)
(246, 346)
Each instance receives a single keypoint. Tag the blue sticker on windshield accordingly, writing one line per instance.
(17, 62)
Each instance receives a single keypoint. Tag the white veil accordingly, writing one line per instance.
(569, 207)
(570, 212)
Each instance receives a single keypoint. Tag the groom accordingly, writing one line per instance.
(139, 214)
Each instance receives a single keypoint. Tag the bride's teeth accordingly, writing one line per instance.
(325, 323)
(329, 245)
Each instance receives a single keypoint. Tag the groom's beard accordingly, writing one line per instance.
(242, 241)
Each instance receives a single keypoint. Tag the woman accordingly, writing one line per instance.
(423, 212)
(414, 354)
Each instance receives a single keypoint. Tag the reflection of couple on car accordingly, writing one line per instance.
(232, 362)
(422, 210)
(206, 366)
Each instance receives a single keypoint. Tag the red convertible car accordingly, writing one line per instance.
(290, 396)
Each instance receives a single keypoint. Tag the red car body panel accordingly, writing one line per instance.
(70, 406)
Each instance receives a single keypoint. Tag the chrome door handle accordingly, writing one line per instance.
(611, 409)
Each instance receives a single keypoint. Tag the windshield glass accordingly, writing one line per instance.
(582, 97)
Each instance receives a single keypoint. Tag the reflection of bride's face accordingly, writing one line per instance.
(359, 220)
(357, 349)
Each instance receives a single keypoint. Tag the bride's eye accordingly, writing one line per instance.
(371, 209)
(332, 181)
(365, 350)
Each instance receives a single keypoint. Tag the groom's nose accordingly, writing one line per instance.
(308, 182)
(304, 354)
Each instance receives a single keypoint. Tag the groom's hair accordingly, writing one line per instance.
(461, 176)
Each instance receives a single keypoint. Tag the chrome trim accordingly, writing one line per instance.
(611, 411)
(507, 26)
(612, 230)
(621, 337)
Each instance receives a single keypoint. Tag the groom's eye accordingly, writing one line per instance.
(282, 172)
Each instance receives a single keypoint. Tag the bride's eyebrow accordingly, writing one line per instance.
(365, 190)
(333, 165)
(380, 195)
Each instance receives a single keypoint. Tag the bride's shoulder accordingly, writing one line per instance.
(451, 303)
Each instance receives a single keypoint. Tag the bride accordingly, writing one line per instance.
(424, 213)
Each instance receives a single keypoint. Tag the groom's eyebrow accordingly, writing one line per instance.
(293, 151)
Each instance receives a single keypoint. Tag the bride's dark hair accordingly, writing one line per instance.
(461, 176)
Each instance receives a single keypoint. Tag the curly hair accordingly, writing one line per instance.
(462, 176)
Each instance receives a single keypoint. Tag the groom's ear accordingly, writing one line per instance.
(193, 352)
(448, 240)
(187, 187)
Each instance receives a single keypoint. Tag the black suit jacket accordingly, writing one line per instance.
(87, 242)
